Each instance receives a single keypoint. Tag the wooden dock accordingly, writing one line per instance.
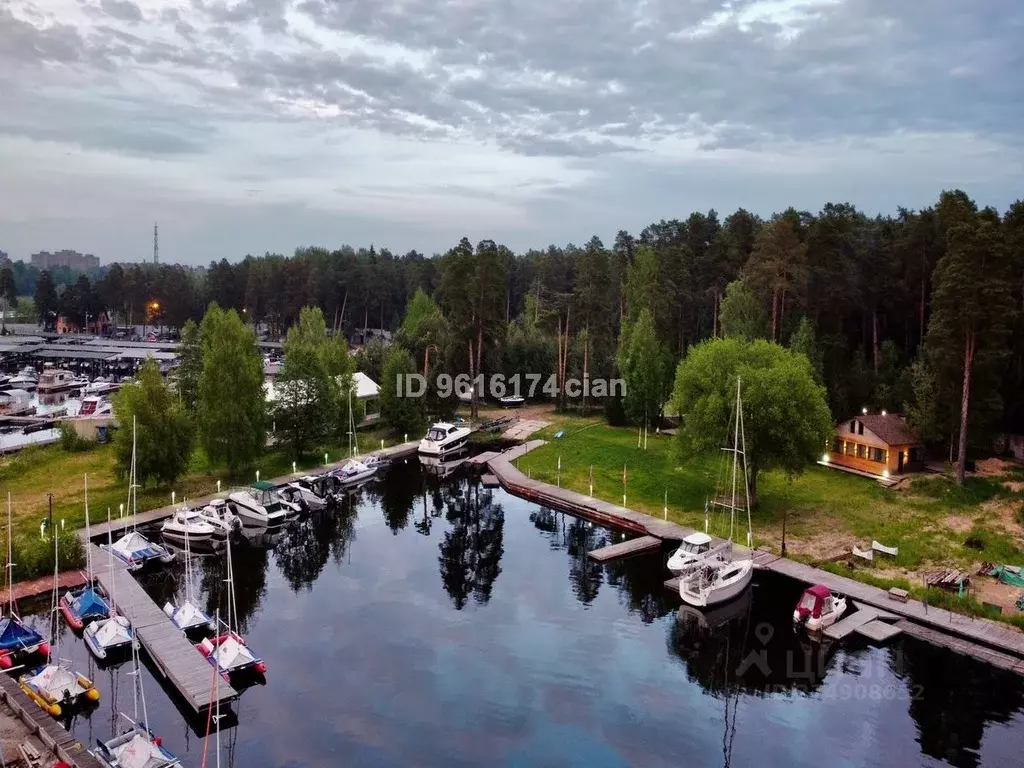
(627, 548)
(992, 640)
(1005, 661)
(173, 655)
(58, 741)
(481, 459)
(854, 622)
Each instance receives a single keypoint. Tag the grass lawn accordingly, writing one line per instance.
(33, 473)
(826, 510)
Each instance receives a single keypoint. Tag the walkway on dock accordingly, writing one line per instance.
(172, 653)
(61, 743)
(949, 629)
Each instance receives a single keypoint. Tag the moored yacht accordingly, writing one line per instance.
(693, 550)
(352, 473)
(444, 438)
(218, 514)
(187, 524)
(96, 405)
(260, 505)
(309, 492)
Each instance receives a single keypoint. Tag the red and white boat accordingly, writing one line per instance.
(818, 608)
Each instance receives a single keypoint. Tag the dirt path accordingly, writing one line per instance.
(12, 733)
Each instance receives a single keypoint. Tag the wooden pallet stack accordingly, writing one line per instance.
(949, 579)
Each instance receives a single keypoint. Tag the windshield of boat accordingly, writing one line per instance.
(807, 601)
(695, 549)
(435, 434)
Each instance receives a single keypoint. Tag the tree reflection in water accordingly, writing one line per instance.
(471, 551)
(303, 550)
(250, 572)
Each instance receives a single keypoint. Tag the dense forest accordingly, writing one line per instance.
(893, 310)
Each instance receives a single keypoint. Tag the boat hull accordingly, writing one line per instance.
(717, 593)
(175, 534)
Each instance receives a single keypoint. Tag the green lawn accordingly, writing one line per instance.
(826, 510)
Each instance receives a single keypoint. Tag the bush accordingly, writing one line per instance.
(71, 441)
(33, 555)
(1020, 515)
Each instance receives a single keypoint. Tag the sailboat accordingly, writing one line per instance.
(109, 637)
(187, 616)
(81, 606)
(228, 652)
(136, 746)
(133, 549)
(17, 640)
(55, 684)
(719, 578)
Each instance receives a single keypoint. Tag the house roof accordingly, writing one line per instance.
(891, 429)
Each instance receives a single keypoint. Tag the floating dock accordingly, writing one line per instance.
(628, 548)
(58, 741)
(864, 616)
(981, 638)
(174, 656)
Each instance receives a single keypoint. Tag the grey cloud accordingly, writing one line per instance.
(22, 43)
(125, 10)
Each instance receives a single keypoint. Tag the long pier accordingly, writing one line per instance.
(174, 656)
(980, 638)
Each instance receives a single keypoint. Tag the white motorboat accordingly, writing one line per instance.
(260, 505)
(56, 384)
(444, 438)
(352, 473)
(694, 550)
(377, 462)
(16, 402)
(308, 492)
(218, 514)
(187, 525)
(819, 608)
(511, 401)
(96, 405)
(26, 379)
(100, 386)
(719, 578)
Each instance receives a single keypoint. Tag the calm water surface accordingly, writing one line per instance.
(430, 623)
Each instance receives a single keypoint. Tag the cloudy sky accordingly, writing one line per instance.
(256, 125)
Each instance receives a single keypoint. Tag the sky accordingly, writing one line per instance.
(248, 126)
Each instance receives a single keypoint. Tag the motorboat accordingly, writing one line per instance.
(16, 402)
(260, 505)
(352, 472)
(56, 381)
(309, 492)
(444, 438)
(378, 462)
(96, 405)
(716, 581)
(109, 637)
(101, 386)
(693, 550)
(218, 514)
(25, 379)
(818, 608)
(187, 525)
(82, 606)
(135, 551)
(511, 401)
(136, 747)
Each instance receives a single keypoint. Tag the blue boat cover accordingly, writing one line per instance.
(14, 635)
(90, 605)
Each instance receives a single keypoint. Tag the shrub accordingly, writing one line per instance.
(71, 441)
(33, 555)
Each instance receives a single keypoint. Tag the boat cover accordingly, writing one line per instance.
(90, 605)
(15, 635)
(140, 752)
(112, 632)
(186, 615)
(231, 655)
(52, 680)
(135, 546)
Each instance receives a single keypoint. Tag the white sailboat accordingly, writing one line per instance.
(719, 578)
(55, 686)
(136, 746)
(110, 636)
(187, 616)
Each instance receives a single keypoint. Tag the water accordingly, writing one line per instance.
(442, 624)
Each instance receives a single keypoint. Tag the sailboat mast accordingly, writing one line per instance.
(735, 461)
(53, 600)
(10, 557)
(110, 561)
(746, 479)
(88, 557)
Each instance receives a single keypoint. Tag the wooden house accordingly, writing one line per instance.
(876, 443)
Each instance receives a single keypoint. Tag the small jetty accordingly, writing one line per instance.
(53, 737)
(866, 621)
(628, 548)
(171, 652)
(981, 638)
